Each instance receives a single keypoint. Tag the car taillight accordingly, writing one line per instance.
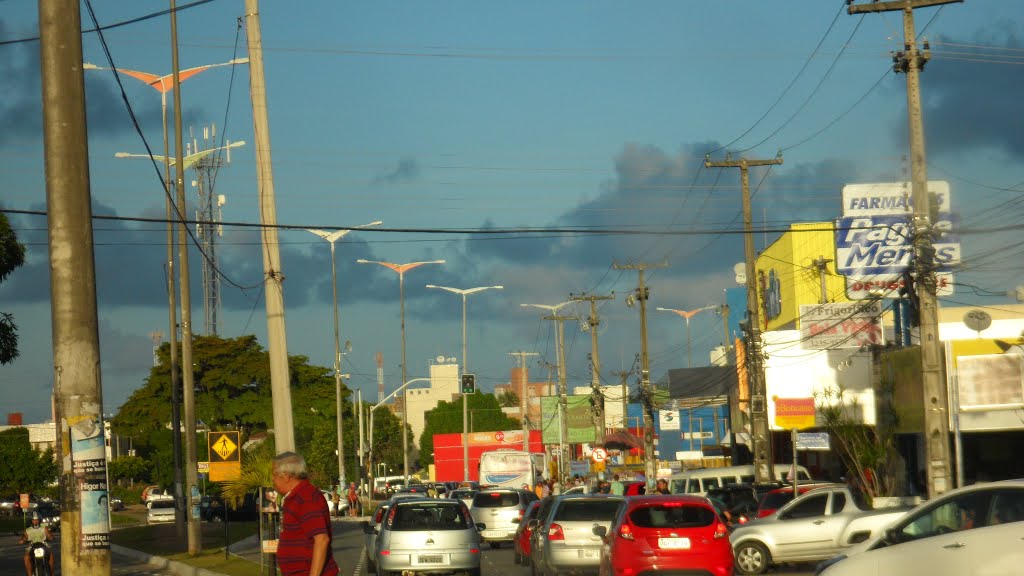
(721, 531)
(625, 532)
(474, 550)
(555, 532)
(385, 552)
(743, 519)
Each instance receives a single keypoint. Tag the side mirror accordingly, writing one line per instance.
(481, 526)
(600, 531)
(891, 536)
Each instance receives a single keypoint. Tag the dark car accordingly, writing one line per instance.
(211, 509)
(738, 500)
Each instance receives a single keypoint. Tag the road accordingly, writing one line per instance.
(12, 554)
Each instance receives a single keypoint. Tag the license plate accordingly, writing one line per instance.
(493, 534)
(590, 554)
(430, 559)
(674, 543)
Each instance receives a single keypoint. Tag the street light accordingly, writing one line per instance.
(465, 364)
(401, 269)
(687, 314)
(373, 411)
(333, 237)
(559, 343)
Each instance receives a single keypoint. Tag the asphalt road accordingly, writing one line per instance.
(12, 554)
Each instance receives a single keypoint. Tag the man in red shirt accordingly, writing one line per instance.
(304, 545)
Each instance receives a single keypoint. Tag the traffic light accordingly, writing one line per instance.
(468, 383)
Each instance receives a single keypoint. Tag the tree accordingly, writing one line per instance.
(129, 468)
(25, 469)
(12, 255)
(508, 399)
(867, 452)
(446, 418)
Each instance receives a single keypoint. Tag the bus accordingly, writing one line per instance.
(511, 468)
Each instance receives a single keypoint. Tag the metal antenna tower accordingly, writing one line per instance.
(209, 215)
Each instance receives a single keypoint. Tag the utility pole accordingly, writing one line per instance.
(595, 364)
(191, 499)
(277, 343)
(642, 294)
(726, 341)
(75, 325)
(563, 414)
(525, 373)
(761, 433)
(911, 61)
(821, 263)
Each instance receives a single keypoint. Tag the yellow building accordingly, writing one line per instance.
(793, 270)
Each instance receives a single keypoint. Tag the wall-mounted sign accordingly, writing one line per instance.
(794, 413)
(840, 325)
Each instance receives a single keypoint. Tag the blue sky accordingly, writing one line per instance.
(470, 115)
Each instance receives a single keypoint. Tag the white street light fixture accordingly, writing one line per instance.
(465, 367)
(333, 237)
(686, 315)
(401, 269)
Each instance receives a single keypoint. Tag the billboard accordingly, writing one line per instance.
(579, 419)
(874, 237)
(987, 383)
(843, 325)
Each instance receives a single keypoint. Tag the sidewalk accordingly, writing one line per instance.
(162, 563)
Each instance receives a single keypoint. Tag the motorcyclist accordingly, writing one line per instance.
(36, 534)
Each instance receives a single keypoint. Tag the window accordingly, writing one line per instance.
(809, 508)
(747, 479)
(838, 502)
(660, 516)
(1007, 506)
(710, 484)
(587, 510)
(427, 517)
(960, 513)
(495, 499)
(693, 486)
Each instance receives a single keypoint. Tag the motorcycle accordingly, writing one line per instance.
(40, 554)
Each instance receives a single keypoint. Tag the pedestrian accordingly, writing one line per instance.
(304, 545)
(336, 500)
(617, 487)
(353, 500)
(661, 486)
(539, 489)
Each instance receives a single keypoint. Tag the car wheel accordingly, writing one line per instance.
(752, 558)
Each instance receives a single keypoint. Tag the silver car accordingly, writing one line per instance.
(500, 510)
(567, 541)
(370, 529)
(425, 536)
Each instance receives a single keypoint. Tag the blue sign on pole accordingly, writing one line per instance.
(812, 441)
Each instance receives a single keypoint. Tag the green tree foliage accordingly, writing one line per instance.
(867, 452)
(12, 255)
(387, 439)
(446, 418)
(131, 468)
(24, 469)
(508, 399)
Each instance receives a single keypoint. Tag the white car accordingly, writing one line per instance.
(976, 530)
(160, 510)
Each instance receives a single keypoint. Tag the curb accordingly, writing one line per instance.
(179, 568)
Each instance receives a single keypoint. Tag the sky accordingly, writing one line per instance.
(444, 117)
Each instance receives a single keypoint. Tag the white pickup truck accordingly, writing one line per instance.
(816, 526)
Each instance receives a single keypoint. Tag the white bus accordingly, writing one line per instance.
(511, 468)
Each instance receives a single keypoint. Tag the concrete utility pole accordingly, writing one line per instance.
(726, 341)
(642, 294)
(191, 500)
(277, 343)
(522, 394)
(75, 326)
(761, 433)
(563, 420)
(595, 364)
(821, 263)
(911, 61)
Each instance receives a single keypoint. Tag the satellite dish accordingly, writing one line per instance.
(439, 359)
(348, 345)
(977, 320)
(739, 268)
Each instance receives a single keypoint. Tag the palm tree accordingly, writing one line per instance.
(256, 467)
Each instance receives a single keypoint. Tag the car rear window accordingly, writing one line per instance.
(162, 504)
(427, 516)
(668, 515)
(587, 510)
(495, 499)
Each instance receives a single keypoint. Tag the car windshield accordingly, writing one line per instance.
(427, 516)
(495, 499)
(671, 516)
(587, 510)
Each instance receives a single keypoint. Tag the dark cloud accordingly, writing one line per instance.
(21, 110)
(656, 190)
(971, 94)
(407, 170)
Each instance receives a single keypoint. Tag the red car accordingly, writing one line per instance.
(521, 542)
(772, 500)
(666, 533)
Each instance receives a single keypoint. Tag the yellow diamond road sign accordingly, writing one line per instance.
(224, 446)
